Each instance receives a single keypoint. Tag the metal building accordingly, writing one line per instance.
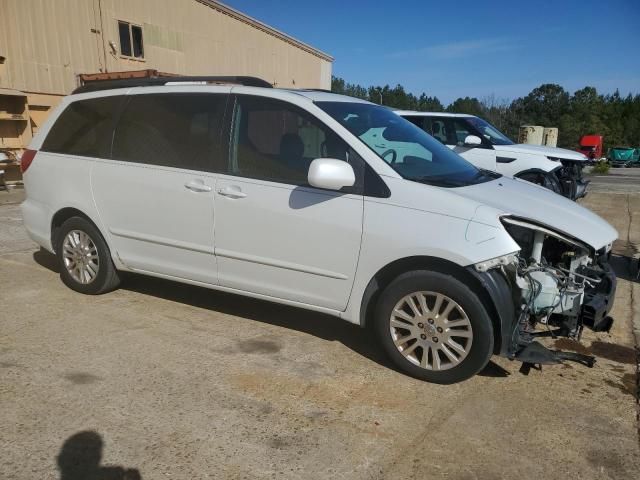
(45, 45)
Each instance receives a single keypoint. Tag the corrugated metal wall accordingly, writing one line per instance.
(48, 43)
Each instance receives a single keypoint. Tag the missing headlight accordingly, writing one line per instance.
(552, 279)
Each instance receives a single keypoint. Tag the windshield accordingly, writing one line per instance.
(488, 131)
(406, 148)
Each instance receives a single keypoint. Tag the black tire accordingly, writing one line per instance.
(481, 347)
(107, 278)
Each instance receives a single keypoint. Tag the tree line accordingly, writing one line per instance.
(585, 112)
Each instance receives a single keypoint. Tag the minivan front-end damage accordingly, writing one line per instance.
(554, 286)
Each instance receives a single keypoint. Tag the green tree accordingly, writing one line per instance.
(586, 112)
(395, 97)
(429, 104)
(471, 106)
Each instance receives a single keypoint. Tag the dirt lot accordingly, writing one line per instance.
(185, 383)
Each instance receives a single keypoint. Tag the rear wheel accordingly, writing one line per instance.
(84, 258)
(434, 327)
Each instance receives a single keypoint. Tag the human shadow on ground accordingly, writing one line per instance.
(80, 457)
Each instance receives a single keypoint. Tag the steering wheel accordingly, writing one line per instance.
(390, 151)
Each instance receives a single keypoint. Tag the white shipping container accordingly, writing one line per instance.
(531, 134)
(550, 137)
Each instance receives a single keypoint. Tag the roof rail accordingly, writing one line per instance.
(98, 85)
(325, 90)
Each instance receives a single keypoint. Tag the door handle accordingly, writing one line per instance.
(232, 192)
(197, 186)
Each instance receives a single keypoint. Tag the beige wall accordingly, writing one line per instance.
(47, 43)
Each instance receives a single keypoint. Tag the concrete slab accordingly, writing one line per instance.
(618, 180)
(182, 382)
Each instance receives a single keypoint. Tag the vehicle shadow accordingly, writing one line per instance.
(317, 324)
(326, 327)
(80, 457)
(46, 260)
(625, 267)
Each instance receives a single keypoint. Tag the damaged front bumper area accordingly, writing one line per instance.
(555, 286)
(570, 178)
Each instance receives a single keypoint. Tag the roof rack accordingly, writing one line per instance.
(98, 85)
(325, 90)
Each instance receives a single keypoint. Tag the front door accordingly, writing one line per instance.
(156, 195)
(275, 234)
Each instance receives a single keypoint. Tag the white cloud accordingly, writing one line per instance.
(453, 50)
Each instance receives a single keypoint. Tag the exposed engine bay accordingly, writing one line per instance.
(560, 286)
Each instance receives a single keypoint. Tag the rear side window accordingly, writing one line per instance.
(439, 128)
(172, 130)
(417, 121)
(448, 130)
(85, 128)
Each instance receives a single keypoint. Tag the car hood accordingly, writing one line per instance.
(528, 201)
(554, 152)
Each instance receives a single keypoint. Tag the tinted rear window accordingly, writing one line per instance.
(180, 130)
(85, 128)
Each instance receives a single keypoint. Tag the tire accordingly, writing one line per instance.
(76, 240)
(469, 327)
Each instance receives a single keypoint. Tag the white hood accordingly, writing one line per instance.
(542, 150)
(529, 201)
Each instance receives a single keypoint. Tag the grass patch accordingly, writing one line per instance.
(601, 167)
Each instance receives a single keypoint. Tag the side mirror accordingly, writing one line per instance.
(331, 174)
(472, 141)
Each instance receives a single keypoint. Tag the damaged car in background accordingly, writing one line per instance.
(484, 145)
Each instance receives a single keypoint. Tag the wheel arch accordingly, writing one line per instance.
(64, 214)
(537, 171)
(391, 271)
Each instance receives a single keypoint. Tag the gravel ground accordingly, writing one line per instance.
(161, 380)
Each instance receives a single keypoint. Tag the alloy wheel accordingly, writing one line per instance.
(431, 330)
(80, 256)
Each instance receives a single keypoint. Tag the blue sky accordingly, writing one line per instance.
(468, 47)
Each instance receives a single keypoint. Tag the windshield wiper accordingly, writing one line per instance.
(439, 181)
(479, 177)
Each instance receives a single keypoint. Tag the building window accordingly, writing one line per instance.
(131, 44)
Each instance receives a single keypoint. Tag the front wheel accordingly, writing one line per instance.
(434, 327)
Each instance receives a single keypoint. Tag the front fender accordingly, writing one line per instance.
(500, 292)
(393, 232)
(524, 162)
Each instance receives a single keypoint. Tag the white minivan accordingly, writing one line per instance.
(282, 195)
(485, 146)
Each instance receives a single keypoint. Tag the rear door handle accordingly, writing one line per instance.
(232, 192)
(197, 186)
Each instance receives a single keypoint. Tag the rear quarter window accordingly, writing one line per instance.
(84, 128)
(180, 130)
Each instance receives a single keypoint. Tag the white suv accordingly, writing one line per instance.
(282, 195)
(482, 144)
